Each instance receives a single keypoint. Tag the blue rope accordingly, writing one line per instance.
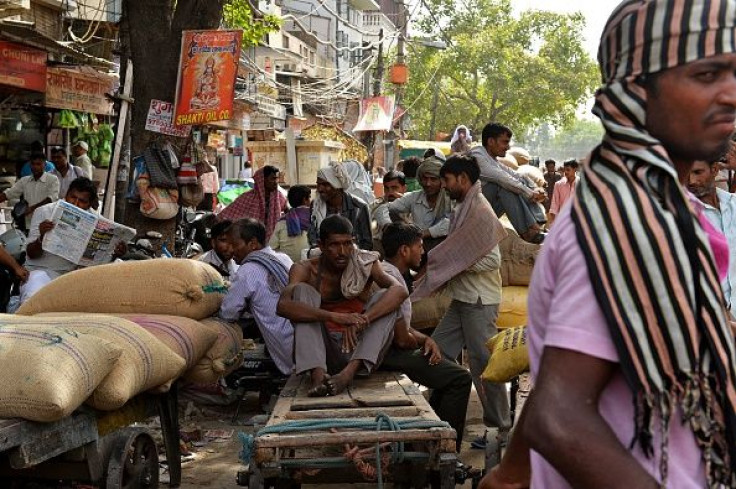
(382, 421)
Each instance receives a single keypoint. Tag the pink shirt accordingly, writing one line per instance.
(562, 193)
(564, 313)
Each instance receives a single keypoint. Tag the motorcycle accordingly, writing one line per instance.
(185, 244)
(14, 240)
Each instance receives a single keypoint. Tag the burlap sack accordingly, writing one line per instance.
(428, 312)
(145, 362)
(185, 337)
(513, 309)
(509, 355)
(224, 357)
(176, 287)
(517, 258)
(47, 370)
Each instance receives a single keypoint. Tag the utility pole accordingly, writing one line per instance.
(435, 101)
(401, 58)
(378, 74)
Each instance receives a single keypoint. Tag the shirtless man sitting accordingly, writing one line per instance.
(343, 307)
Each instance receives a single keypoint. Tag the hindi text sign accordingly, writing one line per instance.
(161, 119)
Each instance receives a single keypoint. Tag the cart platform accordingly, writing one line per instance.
(315, 440)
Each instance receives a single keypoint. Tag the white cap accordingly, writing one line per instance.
(82, 145)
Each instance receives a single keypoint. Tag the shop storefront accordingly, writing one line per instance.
(23, 119)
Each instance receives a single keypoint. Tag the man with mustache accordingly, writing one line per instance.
(720, 209)
(341, 327)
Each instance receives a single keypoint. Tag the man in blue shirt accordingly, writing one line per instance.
(720, 209)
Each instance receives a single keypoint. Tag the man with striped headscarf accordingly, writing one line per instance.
(629, 340)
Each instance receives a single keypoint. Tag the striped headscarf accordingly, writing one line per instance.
(649, 259)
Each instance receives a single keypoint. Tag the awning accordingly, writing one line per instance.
(364, 4)
(27, 35)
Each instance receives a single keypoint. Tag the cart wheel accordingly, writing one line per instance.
(256, 481)
(133, 462)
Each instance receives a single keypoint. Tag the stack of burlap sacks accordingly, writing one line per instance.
(517, 263)
(104, 334)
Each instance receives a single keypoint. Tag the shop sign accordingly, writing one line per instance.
(161, 119)
(84, 91)
(22, 67)
(208, 66)
(376, 114)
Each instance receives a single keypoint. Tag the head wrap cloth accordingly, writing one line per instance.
(649, 259)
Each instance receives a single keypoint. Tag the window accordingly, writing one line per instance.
(285, 42)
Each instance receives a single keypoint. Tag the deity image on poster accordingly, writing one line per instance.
(207, 88)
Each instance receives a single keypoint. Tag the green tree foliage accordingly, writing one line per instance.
(573, 141)
(238, 14)
(520, 69)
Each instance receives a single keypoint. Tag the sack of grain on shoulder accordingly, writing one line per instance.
(47, 371)
(176, 287)
(145, 363)
(223, 357)
(509, 355)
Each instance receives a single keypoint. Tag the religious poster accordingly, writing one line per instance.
(208, 67)
(23, 67)
(82, 89)
(376, 114)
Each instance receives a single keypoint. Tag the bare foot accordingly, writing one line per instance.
(319, 384)
(338, 383)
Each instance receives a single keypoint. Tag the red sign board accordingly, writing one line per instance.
(207, 69)
(23, 67)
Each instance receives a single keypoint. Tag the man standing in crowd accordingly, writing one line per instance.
(65, 172)
(340, 326)
(627, 289)
(720, 209)
(551, 177)
(467, 263)
(564, 189)
(508, 192)
(263, 203)
(256, 289)
(428, 208)
(221, 254)
(38, 189)
(82, 160)
(414, 353)
(290, 235)
(333, 198)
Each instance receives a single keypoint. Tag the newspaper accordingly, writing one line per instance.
(82, 237)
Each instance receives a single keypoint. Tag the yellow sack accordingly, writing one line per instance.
(509, 355)
(513, 309)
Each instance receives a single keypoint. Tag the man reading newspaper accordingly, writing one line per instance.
(43, 265)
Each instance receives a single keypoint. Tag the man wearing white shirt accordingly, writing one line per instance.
(720, 209)
(37, 189)
(221, 254)
(64, 171)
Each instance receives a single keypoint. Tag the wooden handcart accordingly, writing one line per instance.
(92, 446)
(315, 440)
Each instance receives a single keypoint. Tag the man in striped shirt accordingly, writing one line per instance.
(256, 288)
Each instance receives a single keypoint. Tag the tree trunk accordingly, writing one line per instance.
(153, 43)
